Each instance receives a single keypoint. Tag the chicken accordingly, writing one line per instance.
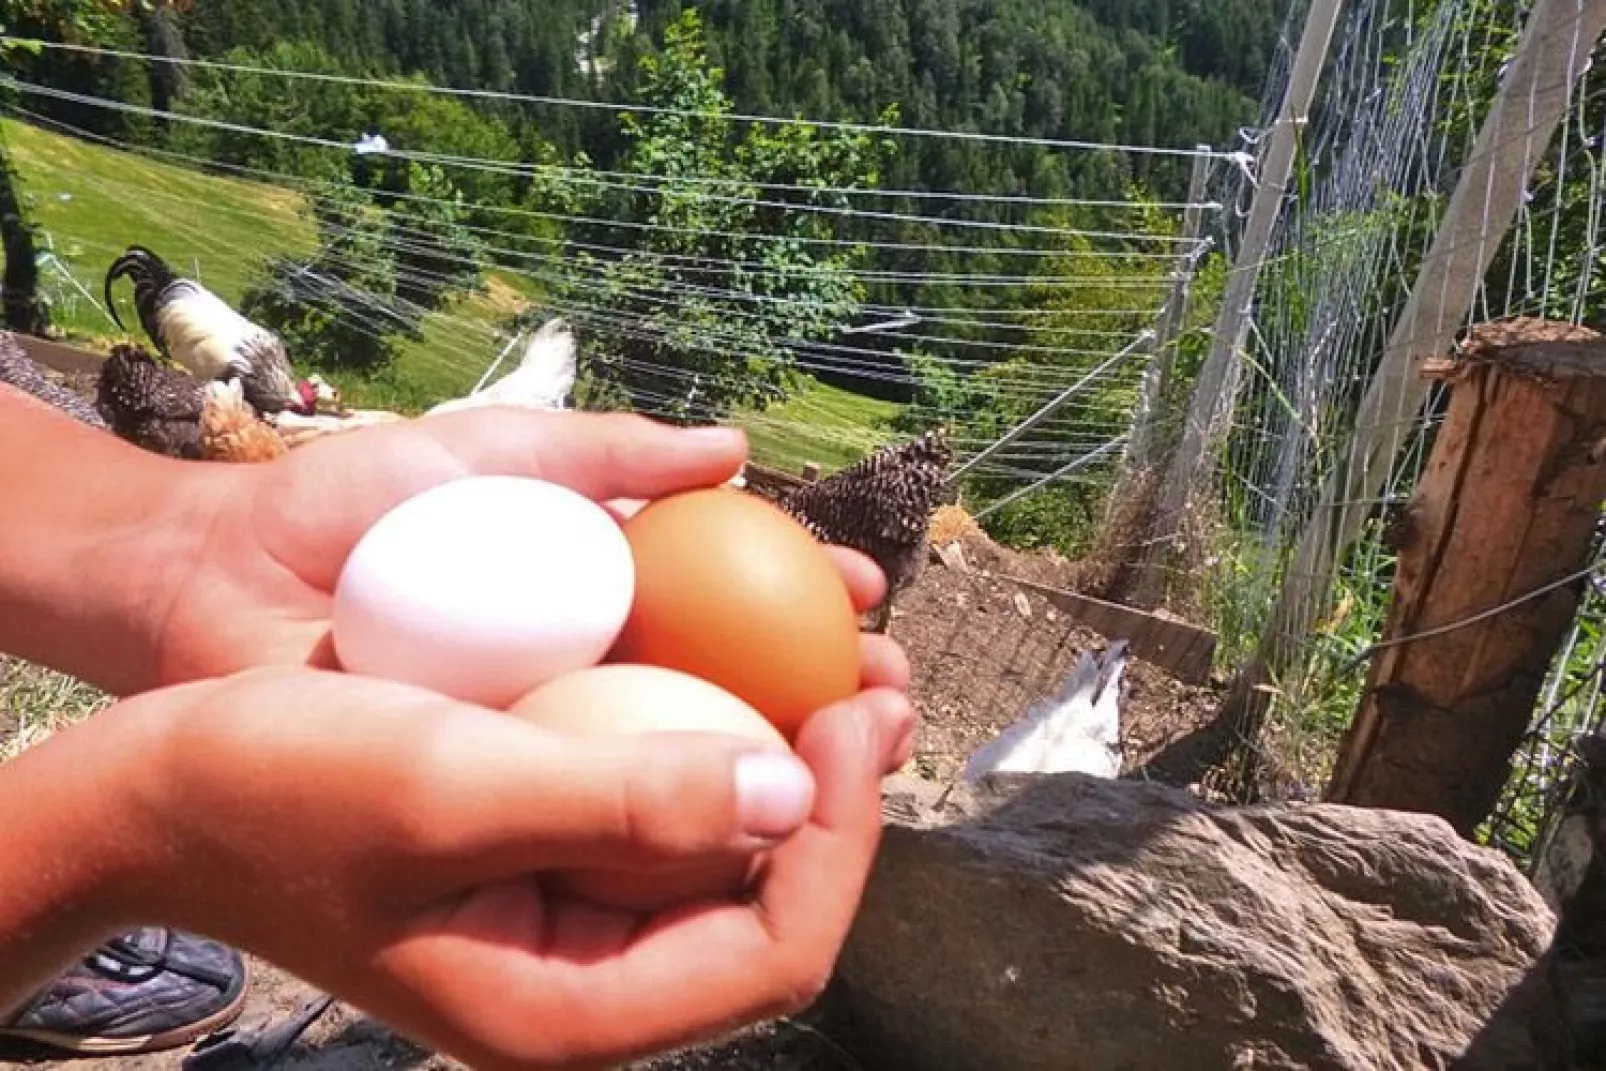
(150, 405)
(882, 506)
(199, 331)
(325, 396)
(19, 370)
(170, 412)
(1076, 730)
(543, 380)
(231, 431)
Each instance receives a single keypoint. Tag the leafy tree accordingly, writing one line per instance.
(339, 308)
(434, 252)
(705, 310)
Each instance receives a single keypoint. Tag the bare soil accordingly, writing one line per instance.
(983, 651)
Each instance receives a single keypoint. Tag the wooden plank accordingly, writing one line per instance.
(770, 483)
(1507, 508)
(1184, 650)
(59, 356)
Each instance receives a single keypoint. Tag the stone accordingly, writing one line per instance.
(1064, 922)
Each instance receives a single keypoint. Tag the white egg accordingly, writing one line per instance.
(484, 589)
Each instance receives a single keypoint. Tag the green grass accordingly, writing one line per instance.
(36, 702)
(820, 423)
(91, 202)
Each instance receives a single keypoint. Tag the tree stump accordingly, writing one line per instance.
(1508, 506)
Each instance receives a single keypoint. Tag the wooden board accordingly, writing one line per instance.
(58, 356)
(771, 483)
(1186, 651)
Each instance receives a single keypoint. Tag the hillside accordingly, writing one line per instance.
(1151, 72)
(90, 202)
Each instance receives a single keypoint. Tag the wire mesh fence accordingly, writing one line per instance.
(967, 309)
(1408, 88)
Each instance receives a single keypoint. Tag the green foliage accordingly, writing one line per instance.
(714, 241)
(338, 309)
(435, 254)
(1094, 293)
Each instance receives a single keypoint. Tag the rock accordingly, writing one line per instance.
(1070, 922)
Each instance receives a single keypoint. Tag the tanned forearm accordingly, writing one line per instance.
(68, 849)
(93, 534)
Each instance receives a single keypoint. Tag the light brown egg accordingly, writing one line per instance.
(732, 590)
(618, 700)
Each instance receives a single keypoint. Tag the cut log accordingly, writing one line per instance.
(1508, 507)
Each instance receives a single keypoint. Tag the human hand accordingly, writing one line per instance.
(387, 844)
(260, 588)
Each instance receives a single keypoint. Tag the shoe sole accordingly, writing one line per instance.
(135, 1046)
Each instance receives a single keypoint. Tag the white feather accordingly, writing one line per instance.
(203, 333)
(543, 379)
(1076, 730)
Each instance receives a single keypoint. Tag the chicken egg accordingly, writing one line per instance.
(618, 700)
(731, 589)
(483, 589)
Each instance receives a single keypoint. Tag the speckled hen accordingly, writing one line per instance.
(882, 506)
(151, 405)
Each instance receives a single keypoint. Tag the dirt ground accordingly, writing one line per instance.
(983, 651)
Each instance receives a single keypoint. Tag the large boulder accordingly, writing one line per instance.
(1057, 923)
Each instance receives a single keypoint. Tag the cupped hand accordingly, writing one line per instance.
(404, 838)
(260, 590)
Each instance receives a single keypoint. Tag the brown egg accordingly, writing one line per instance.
(732, 590)
(617, 700)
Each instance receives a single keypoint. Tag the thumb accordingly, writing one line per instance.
(510, 798)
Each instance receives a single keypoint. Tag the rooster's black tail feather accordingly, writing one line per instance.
(150, 275)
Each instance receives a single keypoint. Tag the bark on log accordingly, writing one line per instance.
(1508, 505)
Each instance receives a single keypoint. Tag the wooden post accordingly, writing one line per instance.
(1144, 445)
(1508, 507)
(1217, 382)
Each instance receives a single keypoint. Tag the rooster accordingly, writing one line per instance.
(543, 380)
(170, 412)
(882, 506)
(199, 331)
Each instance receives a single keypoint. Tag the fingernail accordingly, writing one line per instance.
(774, 794)
(715, 436)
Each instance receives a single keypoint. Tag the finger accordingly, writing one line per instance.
(689, 974)
(896, 724)
(499, 796)
(369, 472)
(602, 455)
(867, 584)
(883, 664)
